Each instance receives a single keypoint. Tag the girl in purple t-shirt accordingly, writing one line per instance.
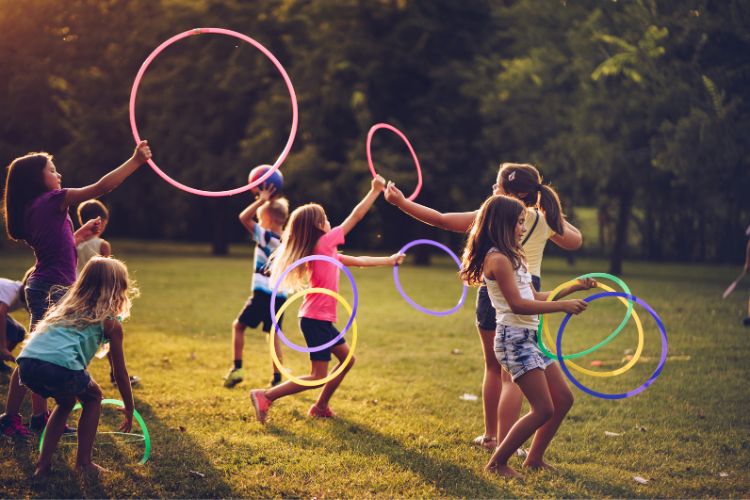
(36, 212)
(309, 233)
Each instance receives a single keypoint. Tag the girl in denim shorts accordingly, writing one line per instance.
(494, 255)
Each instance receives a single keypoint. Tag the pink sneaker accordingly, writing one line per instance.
(317, 412)
(261, 404)
(11, 426)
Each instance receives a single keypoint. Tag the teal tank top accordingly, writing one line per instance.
(65, 346)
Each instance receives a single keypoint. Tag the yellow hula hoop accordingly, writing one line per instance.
(337, 371)
(581, 369)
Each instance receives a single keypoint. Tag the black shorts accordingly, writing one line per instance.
(257, 310)
(486, 313)
(318, 332)
(14, 331)
(50, 380)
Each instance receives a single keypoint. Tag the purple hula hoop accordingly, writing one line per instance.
(638, 389)
(408, 299)
(275, 292)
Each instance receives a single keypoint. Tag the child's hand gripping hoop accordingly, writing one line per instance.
(116, 402)
(219, 31)
(396, 131)
(638, 389)
(408, 299)
(275, 292)
(545, 327)
(335, 373)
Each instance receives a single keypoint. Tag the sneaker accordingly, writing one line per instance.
(261, 404)
(276, 379)
(134, 380)
(39, 422)
(234, 377)
(489, 443)
(317, 412)
(12, 426)
(746, 321)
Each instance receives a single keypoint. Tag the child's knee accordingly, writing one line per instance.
(93, 393)
(351, 362)
(564, 402)
(544, 411)
(238, 327)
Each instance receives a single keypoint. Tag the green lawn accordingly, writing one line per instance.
(403, 430)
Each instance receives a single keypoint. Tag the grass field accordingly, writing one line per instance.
(403, 430)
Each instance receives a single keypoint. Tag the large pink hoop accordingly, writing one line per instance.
(269, 55)
(396, 131)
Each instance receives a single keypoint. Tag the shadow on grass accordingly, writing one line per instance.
(450, 479)
(169, 472)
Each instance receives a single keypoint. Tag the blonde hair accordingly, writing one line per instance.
(299, 239)
(102, 291)
(278, 209)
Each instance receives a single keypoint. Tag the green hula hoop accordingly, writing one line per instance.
(604, 342)
(136, 415)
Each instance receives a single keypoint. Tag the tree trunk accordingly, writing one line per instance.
(220, 242)
(621, 233)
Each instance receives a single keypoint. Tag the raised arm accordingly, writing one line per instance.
(247, 216)
(366, 261)
(110, 181)
(458, 222)
(499, 268)
(359, 212)
(571, 239)
(113, 331)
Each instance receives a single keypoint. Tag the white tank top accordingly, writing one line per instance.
(87, 250)
(503, 313)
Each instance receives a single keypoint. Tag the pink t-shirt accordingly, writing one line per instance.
(324, 275)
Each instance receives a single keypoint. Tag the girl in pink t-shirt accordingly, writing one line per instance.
(309, 233)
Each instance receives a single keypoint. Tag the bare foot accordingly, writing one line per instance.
(91, 469)
(503, 471)
(538, 465)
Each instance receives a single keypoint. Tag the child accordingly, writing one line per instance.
(745, 269)
(11, 331)
(502, 398)
(95, 210)
(36, 212)
(53, 362)
(309, 232)
(494, 255)
(272, 215)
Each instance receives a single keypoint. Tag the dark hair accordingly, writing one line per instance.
(91, 209)
(25, 181)
(493, 226)
(524, 182)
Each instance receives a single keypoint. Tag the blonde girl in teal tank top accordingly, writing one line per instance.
(54, 360)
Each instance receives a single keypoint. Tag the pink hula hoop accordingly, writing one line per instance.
(269, 55)
(396, 131)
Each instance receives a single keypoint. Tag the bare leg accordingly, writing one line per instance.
(318, 371)
(238, 339)
(534, 387)
(91, 400)
(562, 399)
(509, 407)
(491, 384)
(16, 393)
(55, 429)
(277, 348)
(341, 351)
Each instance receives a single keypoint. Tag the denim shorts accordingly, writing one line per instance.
(486, 313)
(40, 296)
(318, 332)
(50, 380)
(517, 351)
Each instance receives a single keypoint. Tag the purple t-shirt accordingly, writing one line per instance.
(49, 231)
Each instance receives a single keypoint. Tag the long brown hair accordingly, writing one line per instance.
(493, 226)
(304, 229)
(25, 181)
(102, 291)
(525, 183)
